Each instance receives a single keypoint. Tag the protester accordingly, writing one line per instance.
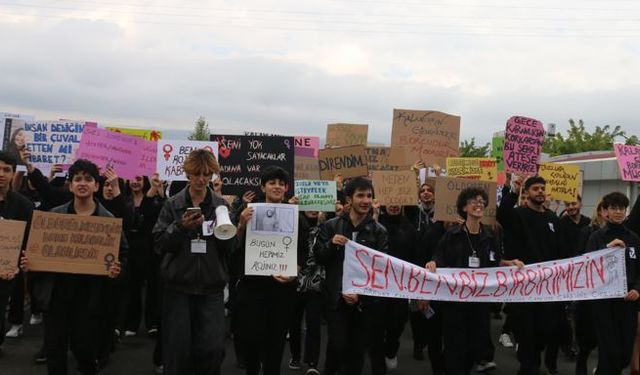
(13, 206)
(468, 245)
(616, 319)
(76, 306)
(263, 336)
(194, 273)
(350, 317)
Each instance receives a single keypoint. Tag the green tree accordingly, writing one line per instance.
(200, 130)
(468, 149)
(578, 139)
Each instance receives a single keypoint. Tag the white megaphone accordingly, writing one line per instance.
(224, 229)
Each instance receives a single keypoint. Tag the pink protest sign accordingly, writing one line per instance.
(148, 160)
(103, 147)
(522, 145)
(628, 161)
(306, 146)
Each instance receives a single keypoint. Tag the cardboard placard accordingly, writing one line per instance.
(306, 168)
(171, 154)
(433, 136)
(123, 152)
(484, 169)
(271, 246)
(146, 134)
(497, 151)
(388, 158)
(316, 195)
(447, 191)
(628, 161)
(395, 187)
(350, 161)
(54, 142)
(306, 146)
(347, 135)
(523, 140)
(562, 180)
(73, 243)
(11, 236)
(242, 159)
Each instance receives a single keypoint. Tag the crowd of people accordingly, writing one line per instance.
(182, 282)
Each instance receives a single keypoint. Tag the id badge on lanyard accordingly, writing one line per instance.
(198, 246)
(474, 261)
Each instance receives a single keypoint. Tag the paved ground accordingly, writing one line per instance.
(134, 357)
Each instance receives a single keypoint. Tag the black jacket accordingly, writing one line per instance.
(455, 249)
(403, 237)
(600, 238)
(370, 234)
(182, 270)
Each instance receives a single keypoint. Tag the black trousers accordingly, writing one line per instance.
(428, 333)
(352, 329)
(535, 325)
(395, 312)
(69, 324)
(585, 333)
(616, 322)
(309, 306)
(5, 291)
(144, 271)
(264, 315)
(466, 326)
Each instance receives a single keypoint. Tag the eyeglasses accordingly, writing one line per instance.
(477, 202)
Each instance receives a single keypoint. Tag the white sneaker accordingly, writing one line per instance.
(129, 333)
(485, 366)
(158, 369)
(392, 363)
(505, 340)
(35, 319)
(15, 331)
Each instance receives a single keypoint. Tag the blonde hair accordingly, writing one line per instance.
(596, 219)
(201, 161)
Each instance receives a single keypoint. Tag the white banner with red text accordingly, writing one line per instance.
(596, 275)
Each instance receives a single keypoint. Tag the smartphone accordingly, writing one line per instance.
(194, 211)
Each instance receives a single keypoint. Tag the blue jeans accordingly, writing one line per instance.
(192, 333)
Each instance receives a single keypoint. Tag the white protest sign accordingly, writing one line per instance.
(316, 195)
(596, 275)
(271, 246)
(172, 154)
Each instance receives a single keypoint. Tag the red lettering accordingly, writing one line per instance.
(378, 270)
(501, 278)
(483, 284)
(518, 279)
(413, 277)
(545, 280)
(395, 276)
(424, 281)
(577, 276)
(531, 282)
(455, 286)
(466, 284)
(358, 252)
(599, 270)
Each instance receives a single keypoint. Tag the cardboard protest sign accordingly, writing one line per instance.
(315, 195)
(122, 152)
(628, 161)
(484, 169)
(388, 158)
(171, 154)
(73, 243)
(350, 161)
(497, 151)
(562, 180)
(242, 159)
(523, 140)
(433, 136)
(146, 134)
(306, 168)
(395, 187)
(306, 146)
(447, 191)
(347, 134)
(598, 275)
(11, 236)
(271, 246)
(53, 142)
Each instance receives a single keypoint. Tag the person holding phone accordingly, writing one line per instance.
(194, 271)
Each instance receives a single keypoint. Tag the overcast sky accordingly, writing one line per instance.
(291, 67)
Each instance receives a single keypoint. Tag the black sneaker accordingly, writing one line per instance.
(295, 365)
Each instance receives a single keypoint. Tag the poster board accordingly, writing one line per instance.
(339, 135)
(395, 187)
(271, 246)
(171, 154)
(11, 237)
(484, 169)
(72, 243)
(306, 168)
(497, 151)
(316, 195)
(433, 136)
(146, 134)
(123, 152)
(628, 161)
(388, 158)
(349, 161)
(54, 142)
(562, 180)
(447, 191)
(523, 140)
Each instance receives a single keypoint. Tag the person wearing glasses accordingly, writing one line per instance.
(468, 245)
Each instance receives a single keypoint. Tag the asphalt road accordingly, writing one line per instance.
(133, 357)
